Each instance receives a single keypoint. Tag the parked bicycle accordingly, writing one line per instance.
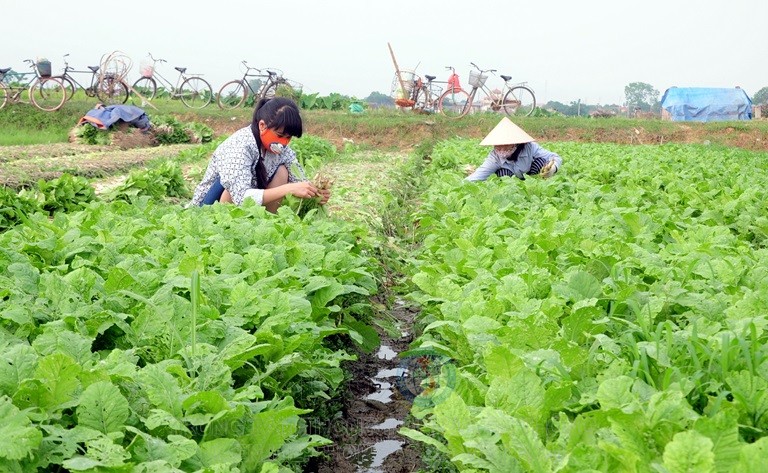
(514, 100)
(429, 97)
(44, 92)
(108, 90)
(255, 82)
(426, 95)
(193, 90)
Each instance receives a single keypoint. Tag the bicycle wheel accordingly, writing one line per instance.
(454, 103)
(285, 88)
(269, 90)
(69, 86)
(196, 92)
(519, 101)
(112, 91)
(3, 94)
(146, 86)
(232, 95)
(48, 94)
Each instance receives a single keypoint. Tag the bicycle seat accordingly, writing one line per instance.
(94, 68)
(181, 69)
(506, 78)
(3, 71)
(430, 78)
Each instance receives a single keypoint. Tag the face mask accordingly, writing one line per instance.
(505, 153)
(272, 142)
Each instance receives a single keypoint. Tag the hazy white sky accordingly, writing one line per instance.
(565, 50)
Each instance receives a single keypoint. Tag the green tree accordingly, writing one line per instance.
(568, 110)
(761, 97)
(643, 96)
(380, 99)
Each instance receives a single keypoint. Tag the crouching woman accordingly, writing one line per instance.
(256, 162)
(515, 153)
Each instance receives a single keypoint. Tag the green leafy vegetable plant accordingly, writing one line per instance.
(65, 193)
(160, 181)
(15, 207)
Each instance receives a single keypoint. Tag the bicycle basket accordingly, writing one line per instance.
(296, 86)
(477, 79)
(147, 70)
(43, 67)
(403, 85)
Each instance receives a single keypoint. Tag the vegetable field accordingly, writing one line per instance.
(612, 318)
(135, 336)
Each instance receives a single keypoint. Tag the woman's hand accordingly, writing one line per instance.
(304, 190)
(548, 170)
(325, 194)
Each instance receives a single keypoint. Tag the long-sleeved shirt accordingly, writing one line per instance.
(530, 160)
(234, 164)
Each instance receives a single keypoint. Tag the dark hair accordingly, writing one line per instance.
(278, 113)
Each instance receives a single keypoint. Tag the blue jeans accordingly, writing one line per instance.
(214, 193)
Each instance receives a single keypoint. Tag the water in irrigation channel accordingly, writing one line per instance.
(372, 458)
(380, 399)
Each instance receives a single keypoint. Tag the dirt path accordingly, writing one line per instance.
(24, 165)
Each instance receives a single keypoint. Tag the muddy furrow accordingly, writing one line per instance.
(376, 405)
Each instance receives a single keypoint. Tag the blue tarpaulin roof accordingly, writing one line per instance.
(705, 104)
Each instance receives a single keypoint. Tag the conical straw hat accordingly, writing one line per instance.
(506, 133)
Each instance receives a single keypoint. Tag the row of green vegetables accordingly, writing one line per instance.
(612, 318)
(162, 179)
(139, 336)
(69, 193)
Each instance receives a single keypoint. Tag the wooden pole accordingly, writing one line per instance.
(397, 69)
(144, 100)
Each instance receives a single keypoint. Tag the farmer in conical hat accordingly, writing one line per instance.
(515, 153)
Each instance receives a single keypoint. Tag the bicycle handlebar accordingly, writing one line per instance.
(155, 60)
(31, 66)
(481, 70)
(249, 68)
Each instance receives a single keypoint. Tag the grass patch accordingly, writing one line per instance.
(13, 135)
